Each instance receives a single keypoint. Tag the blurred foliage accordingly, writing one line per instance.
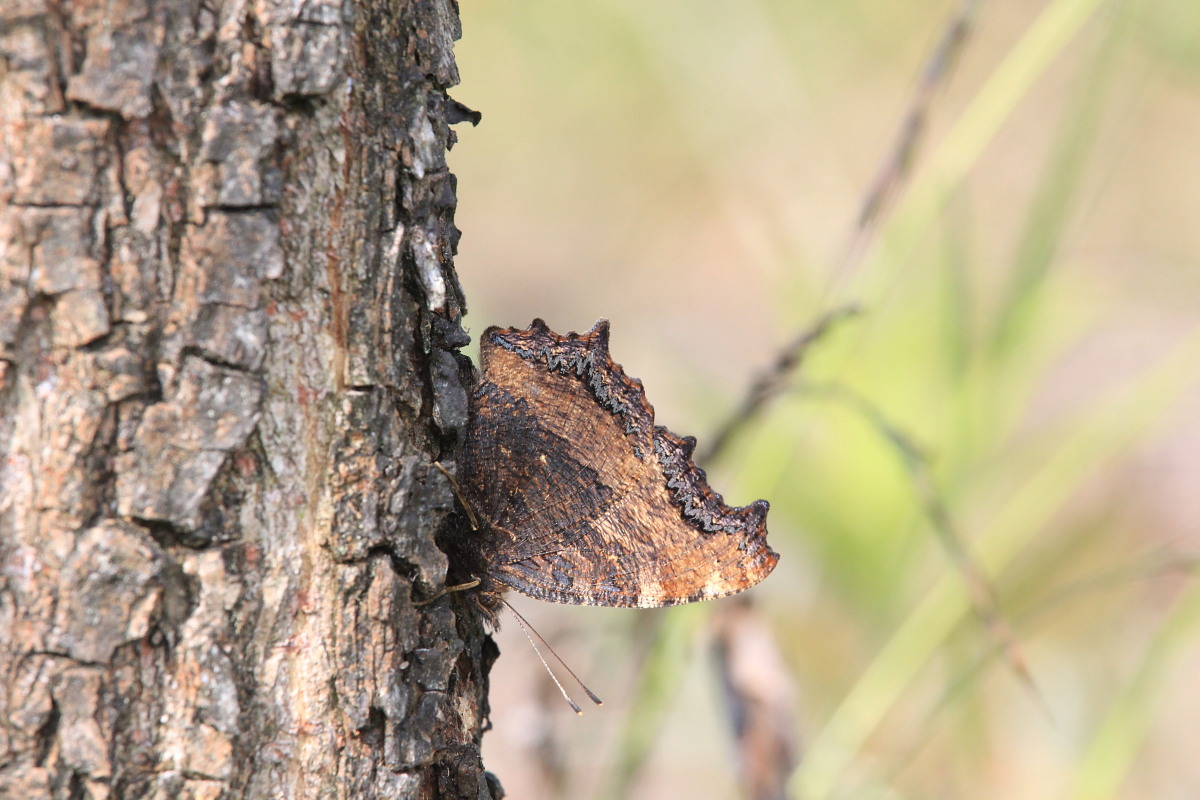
(1031, 330)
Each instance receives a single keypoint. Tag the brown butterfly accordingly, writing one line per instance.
(575, 496)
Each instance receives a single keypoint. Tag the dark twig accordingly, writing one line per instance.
(760, 699)
(879, 199)
(891, 175)
(771, 382)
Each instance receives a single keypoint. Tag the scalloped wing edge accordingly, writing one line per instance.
(587, 355)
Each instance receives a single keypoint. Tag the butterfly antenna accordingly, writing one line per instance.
(530, 632)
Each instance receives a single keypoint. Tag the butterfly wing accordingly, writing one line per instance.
(583, 499)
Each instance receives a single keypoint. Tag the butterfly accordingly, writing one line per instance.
(574, 495)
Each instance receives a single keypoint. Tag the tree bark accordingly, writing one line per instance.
(229, 323)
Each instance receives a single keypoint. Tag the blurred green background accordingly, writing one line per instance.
(693, 171)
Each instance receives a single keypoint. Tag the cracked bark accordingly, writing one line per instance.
(229, 323)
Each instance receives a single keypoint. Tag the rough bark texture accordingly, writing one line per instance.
(228, 321)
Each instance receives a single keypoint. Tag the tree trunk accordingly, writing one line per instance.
(228, 331)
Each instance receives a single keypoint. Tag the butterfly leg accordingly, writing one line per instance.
(458, 587)
(458, 493)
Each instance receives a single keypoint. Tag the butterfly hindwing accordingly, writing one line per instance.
(582, 499)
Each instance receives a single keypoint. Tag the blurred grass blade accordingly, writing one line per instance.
(1058, 187)
(957, 154)
(1112, 427)
(1119, 738)
(658, 681)
(979, 588)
